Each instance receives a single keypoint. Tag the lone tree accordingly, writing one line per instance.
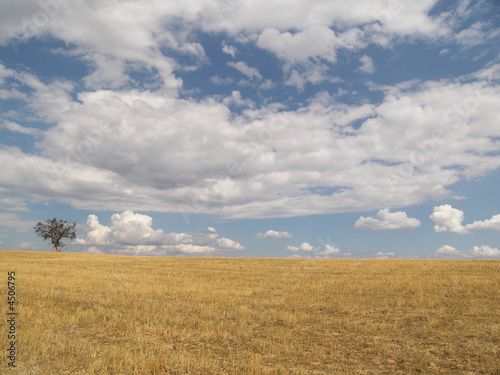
(55, 230)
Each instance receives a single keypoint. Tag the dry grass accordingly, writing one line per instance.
(99, 314)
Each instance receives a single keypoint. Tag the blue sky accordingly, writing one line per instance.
(253, 128)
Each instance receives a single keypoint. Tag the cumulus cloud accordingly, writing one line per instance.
(135, 143)
(132, 233)
(150, 34)
(316, 42)
(306, 247)
(227, 244)
(447, 250)
(449, 219)
(271, 234)
(328, 251)
(485, 251)
(310, 251)
(303, 247)
(108, 72)
(114, 148)
(489, 224)
(386, 220)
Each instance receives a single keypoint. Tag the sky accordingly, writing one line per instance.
(252, 128)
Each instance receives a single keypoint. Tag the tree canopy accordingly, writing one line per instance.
(55, 230)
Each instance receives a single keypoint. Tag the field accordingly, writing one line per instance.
(104, 314)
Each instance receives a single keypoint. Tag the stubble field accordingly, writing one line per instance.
(103, 314)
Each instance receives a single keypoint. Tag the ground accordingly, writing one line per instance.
(105, 314)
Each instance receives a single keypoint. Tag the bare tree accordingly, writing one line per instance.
(55, 230)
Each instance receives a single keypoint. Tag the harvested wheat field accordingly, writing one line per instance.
(106, 314)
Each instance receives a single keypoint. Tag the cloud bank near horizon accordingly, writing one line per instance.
(132, 233)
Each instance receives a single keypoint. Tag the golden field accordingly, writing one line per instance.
(108, 314)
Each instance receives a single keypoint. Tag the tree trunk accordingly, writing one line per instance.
(58, 249)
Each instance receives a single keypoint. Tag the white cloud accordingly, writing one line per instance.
(448, 219)
(491, 224)
(295, 79)
(97, 234)
(311, 73)
(303, 247)
(227, 244)
(328, 251)
(475, 34)
(314, 252)
(45, 100)
(404, 17)
(269, 158)
(126, 228)
(271, 234)
(318, 42)
(384, 255)
(367, 64)
(141, 44)
(134, 34)
(244, 69)
(387, 220)
(485, 251)
(306, 247)
(108, 72)
(236, 99)
(447, 250)
(490, 73)
(130, 144)
(14, 127)
(132, 233)
(229, 50)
